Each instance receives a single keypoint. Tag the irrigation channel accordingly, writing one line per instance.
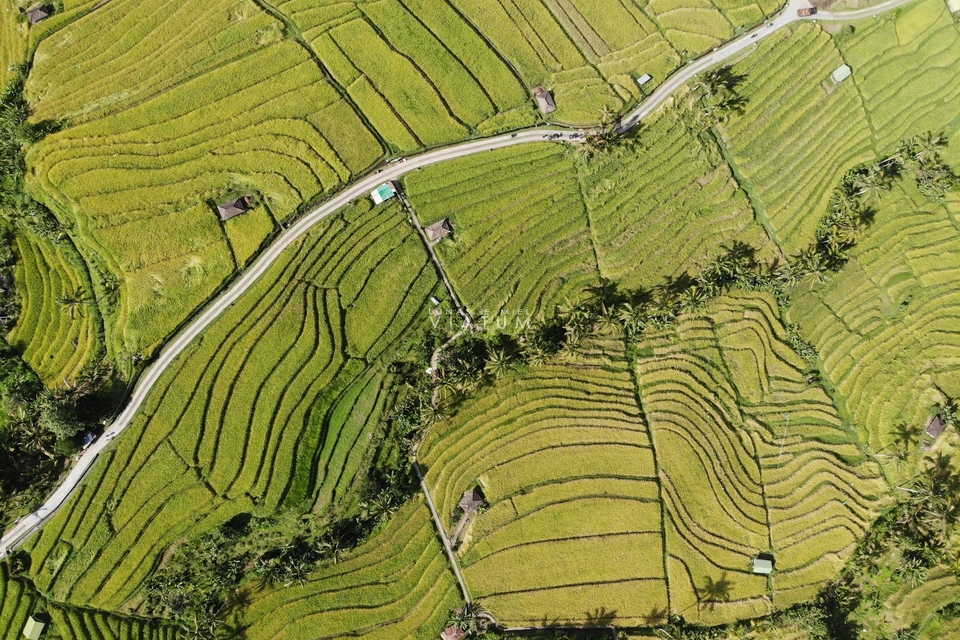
(740, 46)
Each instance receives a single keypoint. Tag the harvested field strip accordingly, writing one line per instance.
(56, 338)
(142, 176)
(519, 243)
(742, 439)
(121, 54)
(815, 135)
(565, 464)
(921, 37)
(397, 585)
(269, 412)
(674, 172)
(886, 326)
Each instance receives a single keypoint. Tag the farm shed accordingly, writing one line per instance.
(439, 230)
(452, 633)
(38, 14)
(841, 73)
(384, 192)
(544, 100)
(234, 207)
(644, 79)
(935, 426)
(763, 564)
(34, 628)
(472, 498)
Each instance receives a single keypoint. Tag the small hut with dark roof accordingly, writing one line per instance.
(544, 100)
(235, 207)
(439, 230)
(935, 426)
(472, 498)
(40, 13)
(452, 633)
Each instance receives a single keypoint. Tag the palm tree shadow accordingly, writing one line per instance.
(656, 616)
(713, 591)
(600, 617)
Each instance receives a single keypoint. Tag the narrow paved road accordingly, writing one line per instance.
(740, 45)
(29, 524)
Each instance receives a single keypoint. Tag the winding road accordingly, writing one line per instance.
(31, 523)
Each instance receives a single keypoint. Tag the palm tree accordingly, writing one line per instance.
(633, 318)
(692, 299)
(608, 322)
(472, 617)
(810, 265)
(926, 145)
(498, 363)
(74, 301)
(871, 182)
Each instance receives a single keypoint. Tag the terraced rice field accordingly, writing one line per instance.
(128, 51)
(272, 410)
(460, 67)
(417, 70)
(691, 26)
(814, 135)
(752, 459)
(663, 209)
(396, 586)
(18, 602)
(917, 607)
(137, 185)
(13, 40)
(565, 462)
(598, 503)
(53, 338)
(886, 326)
(521, 239)
(923, 38)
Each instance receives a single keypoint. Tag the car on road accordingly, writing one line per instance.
(809, 11)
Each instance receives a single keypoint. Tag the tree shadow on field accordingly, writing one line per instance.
(656, 616)
(713, 591)
(600, 617)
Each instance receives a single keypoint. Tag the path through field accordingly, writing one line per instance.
(31, 523)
